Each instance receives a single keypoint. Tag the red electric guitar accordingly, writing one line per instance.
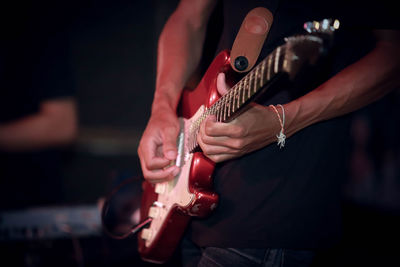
(170, 205)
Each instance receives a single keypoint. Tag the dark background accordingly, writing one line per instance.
(112, 55)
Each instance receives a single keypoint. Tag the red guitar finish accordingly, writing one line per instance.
(199, 178)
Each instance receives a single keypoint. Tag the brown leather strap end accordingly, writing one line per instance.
(250, 39)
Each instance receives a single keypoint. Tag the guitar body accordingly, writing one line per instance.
(172, 204)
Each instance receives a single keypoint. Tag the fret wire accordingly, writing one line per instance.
(234, 89)
(285, 62)
(282, 61)
(262, 72)
(258, 75)
(226, 107)
(254, 76)
(224, 113)
(233, 101)
(276, 65)
(249, 80)
(238, 89)
(217, 110)
(229, 104)
(234, 98)
(269, 67)
(242, 87)
(232, 104)
(241, 84)
(256, 80)
(220, 111)
(238, 94)
(247, 87)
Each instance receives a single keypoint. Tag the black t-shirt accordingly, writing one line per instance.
(34, 67)
(290, 197)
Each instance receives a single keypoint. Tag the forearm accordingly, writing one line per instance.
(179, 51)
(356, 86)
(53, 125)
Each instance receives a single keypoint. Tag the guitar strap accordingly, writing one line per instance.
(250, 39)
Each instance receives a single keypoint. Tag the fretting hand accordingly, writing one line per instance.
(252, 130)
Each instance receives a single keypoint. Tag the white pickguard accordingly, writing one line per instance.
(174, 192)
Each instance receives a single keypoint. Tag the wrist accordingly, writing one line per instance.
(298, 116)
(166, 99)
(279, 111)
(162, 108)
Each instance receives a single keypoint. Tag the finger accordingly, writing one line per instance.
(231, 145)
(159, 175)
(218, 150)
(214, 157)
(222, 157)
(216, 145)
(222, 86)
(169, 136)
(157, 163)
(206, 139)
(203, 137)
(219, 129)
(148, 153)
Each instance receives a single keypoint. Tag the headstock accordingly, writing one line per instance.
(307, 48)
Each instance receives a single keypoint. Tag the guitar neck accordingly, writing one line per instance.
(227, 107)
(242, 93)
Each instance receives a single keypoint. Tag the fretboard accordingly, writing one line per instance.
(241, 93)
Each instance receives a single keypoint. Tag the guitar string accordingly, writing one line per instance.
(253, 79)
(276, 62)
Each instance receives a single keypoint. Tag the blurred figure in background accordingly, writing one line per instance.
(37, 107)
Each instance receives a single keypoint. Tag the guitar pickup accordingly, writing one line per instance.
(146, 234)
(154, 212)
(160, 188)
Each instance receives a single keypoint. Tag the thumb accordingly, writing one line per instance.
(222, 86)
(170, 135)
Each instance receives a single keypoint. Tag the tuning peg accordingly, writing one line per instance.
(336, 24)
(325, 25)
(308, 26)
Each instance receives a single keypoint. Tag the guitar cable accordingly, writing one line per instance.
(106, 206)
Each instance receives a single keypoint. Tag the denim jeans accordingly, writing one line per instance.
(234, 257)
